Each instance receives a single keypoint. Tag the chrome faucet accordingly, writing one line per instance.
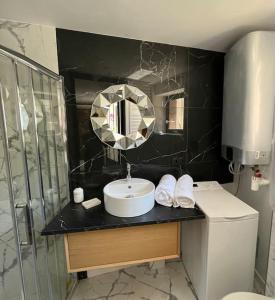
(128, 177)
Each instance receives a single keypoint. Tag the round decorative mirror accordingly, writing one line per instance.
(123, 117)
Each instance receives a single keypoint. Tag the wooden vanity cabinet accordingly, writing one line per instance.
(121, 246)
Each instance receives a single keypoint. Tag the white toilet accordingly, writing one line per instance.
(245, 296)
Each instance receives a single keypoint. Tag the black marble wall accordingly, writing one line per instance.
(90, 63)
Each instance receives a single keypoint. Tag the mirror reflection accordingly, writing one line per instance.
(123, 117)
(175, 112)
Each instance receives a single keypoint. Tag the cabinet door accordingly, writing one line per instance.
(122, 246)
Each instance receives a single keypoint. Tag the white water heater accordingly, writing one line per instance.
(248, 104)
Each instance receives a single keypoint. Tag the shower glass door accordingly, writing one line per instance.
(33, 183)
(19, 267)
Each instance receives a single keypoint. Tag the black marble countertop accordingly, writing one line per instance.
(75, 218)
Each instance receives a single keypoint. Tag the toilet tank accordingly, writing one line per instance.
(248, 100)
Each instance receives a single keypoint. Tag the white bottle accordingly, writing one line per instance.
(78, 195)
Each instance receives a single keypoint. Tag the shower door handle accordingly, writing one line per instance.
(28, 227)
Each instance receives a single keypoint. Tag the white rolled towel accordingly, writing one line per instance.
(164, 193)
(184, 196)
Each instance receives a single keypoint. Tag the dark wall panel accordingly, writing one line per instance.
(90, 63)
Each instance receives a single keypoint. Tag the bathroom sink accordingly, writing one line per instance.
(129, 198)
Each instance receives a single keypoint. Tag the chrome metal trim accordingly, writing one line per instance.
(26, 175)
(18, 57)
(10, 188)
(58, 190)
(46, 140)
(50, 177)
(28, 227)
(55, 154)
(65, 135)
(41, 191)
(49, 171)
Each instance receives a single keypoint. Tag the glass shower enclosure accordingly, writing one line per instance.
(33, 180)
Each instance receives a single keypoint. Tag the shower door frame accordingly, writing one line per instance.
(32, 66)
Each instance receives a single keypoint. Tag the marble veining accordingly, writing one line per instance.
(75, 218)
(90, 63)
(37, 42)
(45, 254)
(138, 282)
(11, 28)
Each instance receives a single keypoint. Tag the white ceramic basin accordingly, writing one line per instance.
(123, 199)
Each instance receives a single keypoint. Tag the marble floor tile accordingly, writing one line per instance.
(137, 282)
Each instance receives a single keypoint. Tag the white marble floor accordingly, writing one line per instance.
(137, 282)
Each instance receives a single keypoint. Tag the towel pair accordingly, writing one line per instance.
(171, 192)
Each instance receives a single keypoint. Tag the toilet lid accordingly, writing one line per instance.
(245, 296)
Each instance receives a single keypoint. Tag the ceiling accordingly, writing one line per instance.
(207, 24)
